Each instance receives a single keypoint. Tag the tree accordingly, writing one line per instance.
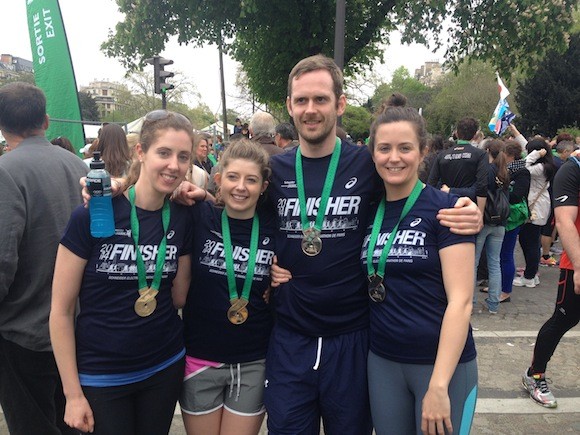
(470, 92)
(89, 109)
(550, 99)
(269, 36)
(418, 95)
(357, 121)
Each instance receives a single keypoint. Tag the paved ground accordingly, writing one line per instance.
(504, 345)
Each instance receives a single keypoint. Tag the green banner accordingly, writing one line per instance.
(53, 70)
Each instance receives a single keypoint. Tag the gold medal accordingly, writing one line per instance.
(238, 313)
(311, 242)
(146, 304)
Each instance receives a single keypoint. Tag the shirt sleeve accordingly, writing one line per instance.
(12, 223)
(445, 237)
(566, 185)
(482, 174)
(77, 235)
(433, 178)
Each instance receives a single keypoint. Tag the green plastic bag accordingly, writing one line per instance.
(519, 214)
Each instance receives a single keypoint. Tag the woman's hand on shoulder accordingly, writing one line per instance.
(464, 218)
(188, 194)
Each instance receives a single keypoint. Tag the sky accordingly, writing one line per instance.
(88, 23)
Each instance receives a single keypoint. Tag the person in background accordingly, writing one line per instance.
(422, 371)
(114, 150)
(201, 146)
(540, 164)
(63, 142)
(238, 126)
(286, 136)
(567, 310)
(462, 168)
(263, 130)
(437, 143)
(38, 191)
(518, 191)
(492, 234)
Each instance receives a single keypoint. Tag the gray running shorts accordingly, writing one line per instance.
(237, 387)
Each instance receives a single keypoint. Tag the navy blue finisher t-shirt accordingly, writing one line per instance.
(327, 293)
(406, 326)
(110, 337)
(209, 334)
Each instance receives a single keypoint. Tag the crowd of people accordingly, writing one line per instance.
(278, 274)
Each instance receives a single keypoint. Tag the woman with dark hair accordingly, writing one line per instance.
(422, 371)
(63, 142)
(437, 143)
(518, 191)
(491, 236)
(540, 164)
(114, 150)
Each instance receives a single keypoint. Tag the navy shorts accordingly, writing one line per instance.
(309, 378)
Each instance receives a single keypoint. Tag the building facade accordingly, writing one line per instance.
(12, 66)
(429, 73)
(105, 95)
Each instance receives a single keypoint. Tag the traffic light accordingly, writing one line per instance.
(159, 73)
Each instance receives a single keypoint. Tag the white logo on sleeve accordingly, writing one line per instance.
(266, 240)
(350, 183)
(170, 235)
(562, 198)
(415, 222)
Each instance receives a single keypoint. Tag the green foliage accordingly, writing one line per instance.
(550, 98)
(418, 95)
(357, 122)
(89, 109)
(269, 36)
(574, 131)
(470, 92)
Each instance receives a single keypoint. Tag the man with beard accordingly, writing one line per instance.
(318, 349)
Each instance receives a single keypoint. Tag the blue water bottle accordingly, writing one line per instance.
(100, 205)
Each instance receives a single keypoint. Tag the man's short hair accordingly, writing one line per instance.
(262, 124)
(565, 145)
(22, 108)
(466, 128)
(287, 131)
(315, 63)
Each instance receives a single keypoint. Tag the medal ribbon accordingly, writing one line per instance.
(165, 215)
(409, 203)
(328, 182)
(230, 258)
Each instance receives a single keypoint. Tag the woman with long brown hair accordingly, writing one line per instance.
(491, 236)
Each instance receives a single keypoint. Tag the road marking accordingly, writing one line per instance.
(520, 334)
(566, 405)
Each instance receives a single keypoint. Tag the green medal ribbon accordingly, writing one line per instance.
(409, 203)
(165, 215)
(234, 295)
(328, 182)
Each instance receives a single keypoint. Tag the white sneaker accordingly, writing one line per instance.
(520, 281)
(537, 279)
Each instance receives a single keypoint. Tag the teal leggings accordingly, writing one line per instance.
(396, 393)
